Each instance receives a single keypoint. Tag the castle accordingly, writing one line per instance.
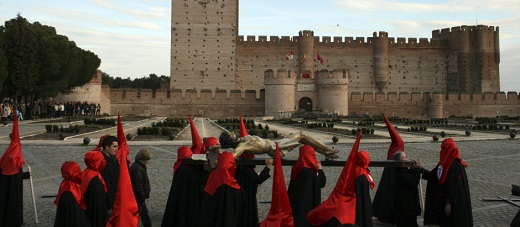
(215, 72)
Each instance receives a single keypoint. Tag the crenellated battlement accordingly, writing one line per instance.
(330, 77)
(281, 76)
(338, 41)
(446, 32)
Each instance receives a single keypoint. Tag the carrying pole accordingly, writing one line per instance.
(33, 198)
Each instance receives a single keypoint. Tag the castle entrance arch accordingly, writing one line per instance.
(305, 103)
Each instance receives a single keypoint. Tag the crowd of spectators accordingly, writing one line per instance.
(47, 109)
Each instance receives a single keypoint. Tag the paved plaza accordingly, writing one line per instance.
(492, 168)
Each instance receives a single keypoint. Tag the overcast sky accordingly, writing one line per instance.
(132, 37)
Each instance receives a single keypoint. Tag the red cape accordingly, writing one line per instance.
(125, 212)
(223, 174)
(12, 159)
(341, 202)
(280, 213)
(182, 153)
(243, 132)
(449, 152)
(196, 141)
(306, 159)
(397, 142)
(72, 177)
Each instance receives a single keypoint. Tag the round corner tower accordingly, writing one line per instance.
(435, 105)
(333, 91)
(279, 91)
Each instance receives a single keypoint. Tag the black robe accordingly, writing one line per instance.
(383, 206)
(305, 194)
(11, 198)
(457, 189)
(185, 198)
(249, 180)
(406, 195)
(222, 209)
(111, 176)
(333, 222)
(69, 213)
(95, 202)
(433, 208)
(364, 211)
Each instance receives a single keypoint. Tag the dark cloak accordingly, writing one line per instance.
(95, 202)
(364, 211)
(222, 209)
(457, 189)
(185, 198)
(433, 208)
(249, 180)
(11, 198)
(69, 213)
(305, 194)
(111, 176)
(383, 206)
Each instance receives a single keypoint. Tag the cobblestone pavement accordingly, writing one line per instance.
(492, 168)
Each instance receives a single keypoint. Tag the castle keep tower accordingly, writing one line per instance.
(473, 58)
(203, 44)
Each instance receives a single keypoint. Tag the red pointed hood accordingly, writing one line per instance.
(182, 153)
(210, 142)
(121, 142)
(306, 159)
(449, 152)
(72, 177)
(223, 174)
(341, 203)
(243, 132)
(280, 213)
(397, 142)
(197, 145)
(12, 159)
(125, 211)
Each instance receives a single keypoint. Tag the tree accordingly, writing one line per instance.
(3, 59)
(22, 61)
(40, 62)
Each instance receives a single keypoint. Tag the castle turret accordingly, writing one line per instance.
(279, 92)
(333, 91)
(306, 48)
(381, 75)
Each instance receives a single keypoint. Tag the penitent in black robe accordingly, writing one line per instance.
(222, 209)
(305, 194)
(11, 198)
(457, 189)
(249, 180)
(185, 198)
(433, 207)
(95, 201)
(364, 211)
(382, 204)
(110, 175)
(69, 213)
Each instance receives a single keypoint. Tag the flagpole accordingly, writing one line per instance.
(422, 197)
(32, 192)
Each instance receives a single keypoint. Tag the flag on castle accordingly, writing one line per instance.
(303, 59)
(320, 59)
(289, 56)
